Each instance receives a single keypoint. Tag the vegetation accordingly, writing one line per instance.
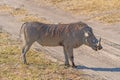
(39, 68)
(21, 14)
(102, 10)
(87, 6)
(106, 11)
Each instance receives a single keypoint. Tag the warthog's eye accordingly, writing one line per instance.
(94, 41)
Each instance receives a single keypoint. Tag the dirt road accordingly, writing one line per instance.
(104, 64)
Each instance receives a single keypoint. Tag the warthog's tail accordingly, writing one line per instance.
(21, 29)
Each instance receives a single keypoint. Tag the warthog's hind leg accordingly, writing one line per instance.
(66, 57)
(24, 51)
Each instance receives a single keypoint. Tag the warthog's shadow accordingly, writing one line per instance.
(99, 69)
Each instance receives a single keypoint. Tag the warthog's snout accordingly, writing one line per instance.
(98, 46)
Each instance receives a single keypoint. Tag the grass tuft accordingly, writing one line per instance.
(110, 18)
(19, 12)
(29, 18)
(5, 8)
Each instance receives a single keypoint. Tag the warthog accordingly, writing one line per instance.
(69, 36)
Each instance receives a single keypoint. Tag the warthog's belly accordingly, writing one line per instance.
(50, 42)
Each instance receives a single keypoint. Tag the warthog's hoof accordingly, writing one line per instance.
(74, 66)
(25, 62)
(67, 65)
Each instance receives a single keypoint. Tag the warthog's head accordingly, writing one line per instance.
(91, 40)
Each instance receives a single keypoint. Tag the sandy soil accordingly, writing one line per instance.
(104, 64)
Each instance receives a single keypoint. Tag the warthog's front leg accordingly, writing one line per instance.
(71, 57)
(68, 52)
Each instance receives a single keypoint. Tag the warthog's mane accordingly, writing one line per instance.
(59, 29)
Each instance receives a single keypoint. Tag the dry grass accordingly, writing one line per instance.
(3, 39)
(78, 7)
(5, 8)
(39, 68)
(19, 12)
(89, 8)
(22, 14)
(110, 18)
(13, 11)
(29, 18)
(86, 6)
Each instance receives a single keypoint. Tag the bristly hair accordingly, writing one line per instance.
(57, 29)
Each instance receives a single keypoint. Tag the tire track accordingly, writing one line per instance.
(110, 43)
